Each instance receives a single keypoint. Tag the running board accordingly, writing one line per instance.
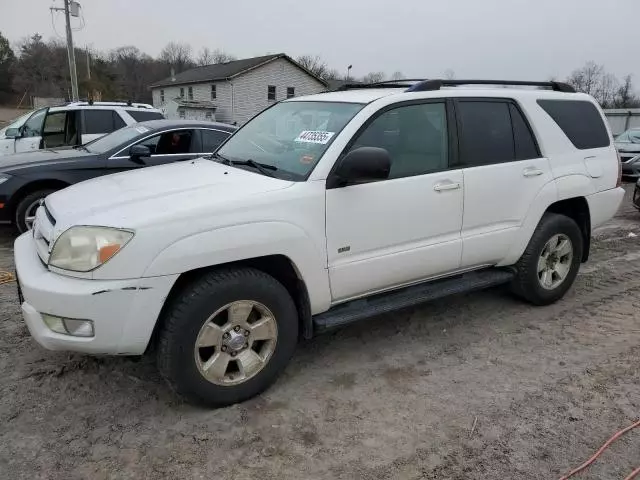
(408, 297)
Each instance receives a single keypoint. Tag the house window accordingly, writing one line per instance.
(182, 93)
(181, 114)
(213, 92)
(291, 92)
(208, 115)
(162, 96)
(190, 93)
(271, 92)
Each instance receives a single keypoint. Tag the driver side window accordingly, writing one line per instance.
(33, 126)
(415, 136)
(170, 143)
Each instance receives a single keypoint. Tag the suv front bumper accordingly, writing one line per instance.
(123, 312)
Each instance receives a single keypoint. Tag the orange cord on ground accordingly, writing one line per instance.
(634, 474)
(602, 449)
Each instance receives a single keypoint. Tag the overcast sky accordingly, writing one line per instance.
(514, 39)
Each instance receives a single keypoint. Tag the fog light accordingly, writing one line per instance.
(69, 326)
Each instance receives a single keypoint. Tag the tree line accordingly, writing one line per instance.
(40, 68)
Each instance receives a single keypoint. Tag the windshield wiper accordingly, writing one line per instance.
(263, 168)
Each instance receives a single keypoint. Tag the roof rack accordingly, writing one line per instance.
(423, 85)
(91, 102)
(429, 85)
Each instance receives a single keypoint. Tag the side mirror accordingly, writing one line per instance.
(362, 165)
(12, 133)
(138, 152)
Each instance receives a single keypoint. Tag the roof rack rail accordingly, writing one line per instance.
(400, 83)
(429, 85)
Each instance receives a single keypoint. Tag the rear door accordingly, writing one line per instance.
(211, 139)
(166, 147)
(503, 172)
(99, 122)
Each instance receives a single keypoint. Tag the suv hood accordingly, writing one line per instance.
(152, 194)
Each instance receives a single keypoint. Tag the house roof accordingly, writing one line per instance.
(225, 71)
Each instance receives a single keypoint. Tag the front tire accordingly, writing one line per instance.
(550, 263)
(227, 336)
(26, 209)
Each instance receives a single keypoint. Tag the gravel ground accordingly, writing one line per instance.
(395, 397)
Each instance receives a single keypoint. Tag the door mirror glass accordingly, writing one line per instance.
(361, 165)
(138, 152)
(12, 133)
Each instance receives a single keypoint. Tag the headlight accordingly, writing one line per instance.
(81, 249)
(4, 177)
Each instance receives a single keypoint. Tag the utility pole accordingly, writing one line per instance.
(70, 52)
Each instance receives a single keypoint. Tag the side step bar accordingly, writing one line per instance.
(408, 297)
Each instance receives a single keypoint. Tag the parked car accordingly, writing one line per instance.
(25, 179)
(321, 211)
(72, 124)
(628, 145)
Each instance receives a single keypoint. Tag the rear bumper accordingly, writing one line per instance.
(604, 205)
(124, 312)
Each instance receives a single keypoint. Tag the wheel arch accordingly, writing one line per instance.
(31, 187)
(280, 267)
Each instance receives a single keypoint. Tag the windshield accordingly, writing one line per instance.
(116, 139)
(291, 136)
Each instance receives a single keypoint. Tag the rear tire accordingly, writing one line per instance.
(550, 263)
(26, 209)
(227, 336)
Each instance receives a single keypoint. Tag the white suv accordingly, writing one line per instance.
(72, 124)
(321, 211)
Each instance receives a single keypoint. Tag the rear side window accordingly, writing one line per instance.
(579, 120)
(143, 116)
(486, 135)
(98, 122)
(525, 144)
(211, 139)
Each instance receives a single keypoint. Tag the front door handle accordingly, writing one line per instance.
(532, 172)
(442, 186)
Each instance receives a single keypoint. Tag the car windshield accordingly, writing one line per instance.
(291, 136)
(116, 139)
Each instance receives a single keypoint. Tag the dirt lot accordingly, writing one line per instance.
(392, 398)
(7, 114)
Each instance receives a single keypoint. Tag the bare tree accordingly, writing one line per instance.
(625, 96)
(449, 74)
(587, 78)
(177, 56)
(332, 74)
(397, 75)
(373, 77)
(314, 64)
(205, 57)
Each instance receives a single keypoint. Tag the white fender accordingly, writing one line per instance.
(240, 242)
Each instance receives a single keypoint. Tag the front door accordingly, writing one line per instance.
(503, 173)
(31, 132)
(404, 229)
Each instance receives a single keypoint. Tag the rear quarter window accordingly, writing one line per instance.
(580, 121)
(142, 116)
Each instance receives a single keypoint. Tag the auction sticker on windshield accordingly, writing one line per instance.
(309, 136)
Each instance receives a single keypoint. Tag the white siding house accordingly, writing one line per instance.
(233, 92)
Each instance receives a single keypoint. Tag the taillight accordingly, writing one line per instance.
(619, 182)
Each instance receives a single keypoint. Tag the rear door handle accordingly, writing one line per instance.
(442, 186)
(532, 172)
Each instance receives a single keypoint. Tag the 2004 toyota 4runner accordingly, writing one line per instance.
(321, 211)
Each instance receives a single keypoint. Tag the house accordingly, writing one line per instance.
(233, 91)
